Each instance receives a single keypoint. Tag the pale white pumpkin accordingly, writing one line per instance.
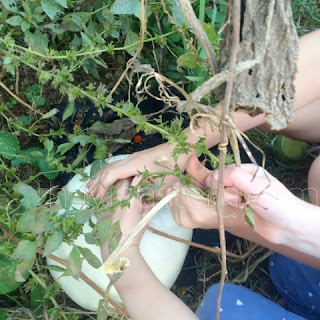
(164, 256)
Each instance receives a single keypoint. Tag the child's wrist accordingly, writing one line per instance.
(290, 236)
(136, 264)
(303, 234)
(132, 250)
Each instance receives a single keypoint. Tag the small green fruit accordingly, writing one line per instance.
(289, 151)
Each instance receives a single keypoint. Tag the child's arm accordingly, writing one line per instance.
(143, 295)
(286, 222)
(283, 222)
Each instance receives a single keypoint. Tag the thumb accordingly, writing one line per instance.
(197, 171)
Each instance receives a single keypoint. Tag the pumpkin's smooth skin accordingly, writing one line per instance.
(164, 256)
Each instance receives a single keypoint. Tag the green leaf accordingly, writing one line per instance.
(3, 14)
(36, 157)
(30, 196)
(39, 100)
(249, 217)
(90, 257)
(201, 147)
(102, 312)
(188, 59)
(53, 242)
(75, 262)
(25, 25)
(3, 314)
(114, 236)
(76, 21)
(124, 141)
(25, 250)
(37, 154)
(65, 147)
(195, 79)
(65, 198)
(50, 7)
(128, 7)
(101, 150)
(14, 21)
(211, 33)
(47, 171)
(26, 8)
(56, 268)
(103, 229)
(131, 38)
(177, 13)
(107, 14)
(49, 114)
(28, 156)
(82, 139)
(63, 3)
(81, 216)
(69, 111)
(9, 145)
(99, 126)
(89, 237)
(37, 295)
(81, 157)
(35, 221)
(96, 166)
(37, 40)
(21, 121)
(7, 274)
(86, 39)
(10, 5)
(22, 268)
(48, 144)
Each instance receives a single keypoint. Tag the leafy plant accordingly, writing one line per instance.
(63, 50)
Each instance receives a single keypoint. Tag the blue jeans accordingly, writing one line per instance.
(297, 283)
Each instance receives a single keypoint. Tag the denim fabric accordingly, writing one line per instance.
(240, 303)
(298, 284)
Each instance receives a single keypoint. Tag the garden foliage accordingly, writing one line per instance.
(54, 51)
(69, 51)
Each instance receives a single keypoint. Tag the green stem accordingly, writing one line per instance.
(39, 280)
(100, 9)
(88, 53)
(19, 127)
(164, 132)
(4, 167)
(15, 300)
(202, 10)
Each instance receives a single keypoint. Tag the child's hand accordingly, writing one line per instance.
(273, 204)
(129, 168)
(192, 213)
(128, 217)
(275, 208)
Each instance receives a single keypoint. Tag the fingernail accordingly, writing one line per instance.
(136, 180)
(99, 196)
(212, 179)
